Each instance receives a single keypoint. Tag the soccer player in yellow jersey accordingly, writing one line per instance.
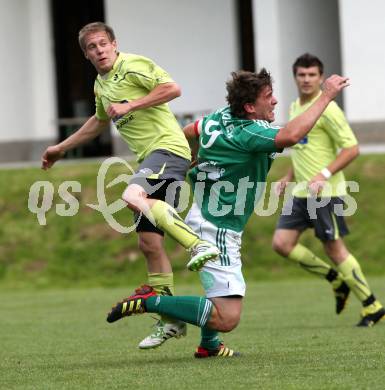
(317, 162)
(133, 92)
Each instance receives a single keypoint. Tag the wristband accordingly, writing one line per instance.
(196, 131)
(326, 173)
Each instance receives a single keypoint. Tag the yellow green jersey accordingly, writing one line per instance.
(320, 147)
(144, 130)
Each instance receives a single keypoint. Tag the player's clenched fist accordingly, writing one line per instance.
(50, 156)
(116, 110)
(335, 84)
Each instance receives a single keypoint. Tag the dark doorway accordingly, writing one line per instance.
(246, 34)
(74, 74)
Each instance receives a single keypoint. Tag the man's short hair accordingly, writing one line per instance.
(245, 87)
(306, 61)
(92, 28)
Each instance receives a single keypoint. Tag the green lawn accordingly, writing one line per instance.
(289, 336)
(82, 250)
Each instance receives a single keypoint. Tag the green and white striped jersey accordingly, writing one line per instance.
(234, 158)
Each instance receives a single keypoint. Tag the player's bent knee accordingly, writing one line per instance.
(127, 197)
(132, 195)
(226, 323)
(230, 326)
(280, 246)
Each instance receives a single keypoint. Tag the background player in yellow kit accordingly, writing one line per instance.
(318, 161)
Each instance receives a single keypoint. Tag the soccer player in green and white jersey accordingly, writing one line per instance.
(318, 163)
(236, 149)
(133, 91)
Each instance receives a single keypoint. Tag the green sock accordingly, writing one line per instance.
(194, 310)
(163, 284)
(354, 278)
(309, 261)
(167, 219)
(209, 338)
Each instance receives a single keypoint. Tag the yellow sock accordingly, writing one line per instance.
(354, 278)
(372, 308)
(167, 219)
(162, 283)
(309, 261)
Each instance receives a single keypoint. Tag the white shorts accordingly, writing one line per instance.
(222, 277)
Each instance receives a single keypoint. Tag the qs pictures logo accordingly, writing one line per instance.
(41, 195)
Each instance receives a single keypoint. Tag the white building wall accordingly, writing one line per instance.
(363, 58)
(195, 41)
(27, 101)
(286, 29)
(267, 48)
(15, 108)
(42, 65)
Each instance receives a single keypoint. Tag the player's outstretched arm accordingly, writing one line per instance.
(91, 129)
(163, 93)
(190, 132)
(192, 135)
(297, 128)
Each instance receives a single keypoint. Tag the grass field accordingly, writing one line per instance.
(84, 251)
(53, 333)
(289, 336)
